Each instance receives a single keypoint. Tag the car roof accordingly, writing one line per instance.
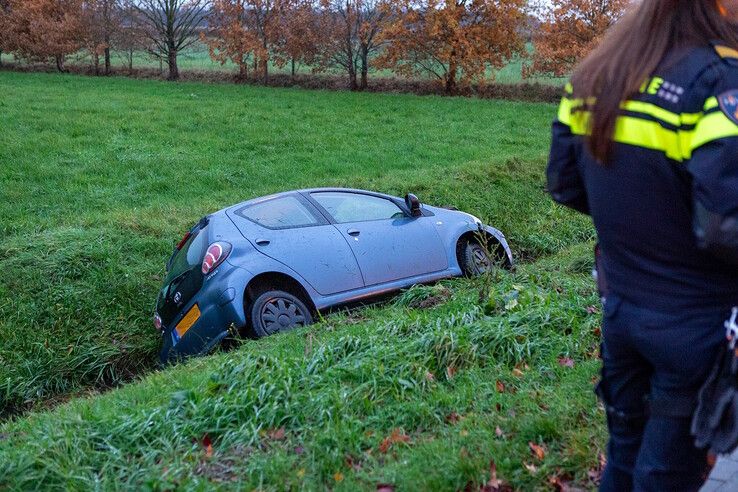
(311, 190)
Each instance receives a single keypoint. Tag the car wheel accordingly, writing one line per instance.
(277, 311)
(474, 258)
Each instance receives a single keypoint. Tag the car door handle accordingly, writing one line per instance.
(262, 242)
(353, 232)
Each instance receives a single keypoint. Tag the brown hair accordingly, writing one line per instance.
(633, 49)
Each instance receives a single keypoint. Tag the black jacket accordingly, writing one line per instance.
(665, 206)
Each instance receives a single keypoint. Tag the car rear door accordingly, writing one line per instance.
(388, 244)
(290, 230)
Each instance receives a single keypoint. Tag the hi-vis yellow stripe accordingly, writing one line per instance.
(676, 144)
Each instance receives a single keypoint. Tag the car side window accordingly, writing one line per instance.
(356, 207)
(280, 213)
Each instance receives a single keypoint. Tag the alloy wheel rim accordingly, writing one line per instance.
(281, 314)
(480, 259)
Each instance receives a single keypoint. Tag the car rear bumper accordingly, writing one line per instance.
(220, 303)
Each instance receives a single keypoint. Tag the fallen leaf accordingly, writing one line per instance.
(397, 436)
(517, 373)
(597, 331)
(450, 372)
(494, 483)
(338, 477)
(300, 473)
(207, 443)
(277, 434)
(299, 450)
(592, 310)
(464, 432)
(537, 450)
(385, 487)
(561, 484)
(532, 469)
(500, 386)
(566, 362)
(453, 418)
(498, 432)
(429, 376)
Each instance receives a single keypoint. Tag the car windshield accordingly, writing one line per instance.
(189, 256)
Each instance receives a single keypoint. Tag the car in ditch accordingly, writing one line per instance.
(271, 264)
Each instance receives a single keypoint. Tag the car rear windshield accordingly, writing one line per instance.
(189, 257)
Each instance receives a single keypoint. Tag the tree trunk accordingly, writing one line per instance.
(256, 64)
(130, 61)
(352, 76)
(265, 70)
(451, 76)
(172, 63)
(60, 63)
(293, 68)
(243, 71)
(364, 67)
(107, 61)
(1, 58)
(96, 62)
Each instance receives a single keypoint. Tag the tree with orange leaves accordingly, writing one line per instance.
(455, 41)
(570, 29)
(298, 34)
(44, 29)
(101, 20)
(245, 28)
(4, 40)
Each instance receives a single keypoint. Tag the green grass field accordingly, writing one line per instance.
(100, 177)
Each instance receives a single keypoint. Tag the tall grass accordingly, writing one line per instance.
(101, 176)
(316, 408)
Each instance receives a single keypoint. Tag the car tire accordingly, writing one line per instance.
(474, 259)
(277, 311)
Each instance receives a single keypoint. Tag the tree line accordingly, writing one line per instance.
(457, 42)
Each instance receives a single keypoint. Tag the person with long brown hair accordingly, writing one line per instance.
(646, 142)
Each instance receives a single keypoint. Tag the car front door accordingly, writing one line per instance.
(289, 229)
(388, 244)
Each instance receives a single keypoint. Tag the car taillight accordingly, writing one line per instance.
(157, 321)
(216, 254)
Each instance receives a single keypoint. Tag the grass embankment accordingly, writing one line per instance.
(101, 176)
(423, 399)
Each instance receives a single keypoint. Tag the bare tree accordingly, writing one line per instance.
(350, 35)
(171, 27)
(129, 38)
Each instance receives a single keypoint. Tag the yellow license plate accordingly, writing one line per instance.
(186, 323)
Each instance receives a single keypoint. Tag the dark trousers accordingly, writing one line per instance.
(653, 366)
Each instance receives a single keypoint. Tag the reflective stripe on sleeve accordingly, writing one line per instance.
(711, 127)
(676, 135)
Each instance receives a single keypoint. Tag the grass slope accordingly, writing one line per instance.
(416, 397)
(100, 177)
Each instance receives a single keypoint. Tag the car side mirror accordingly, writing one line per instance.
(413, 204)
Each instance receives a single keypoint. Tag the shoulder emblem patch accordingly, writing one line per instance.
(726, 52)
(729, 105)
